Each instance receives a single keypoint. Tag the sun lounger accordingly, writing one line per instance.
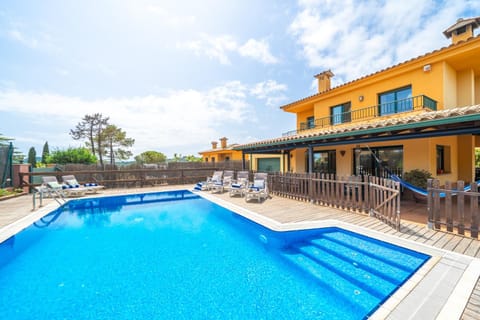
(71, 182)
(51, 187)
(259, 189)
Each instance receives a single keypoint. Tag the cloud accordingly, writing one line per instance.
(20, 37)
(355, 38)
(258, 50)
(216, 48)
(221, 47)
(175, 121)
(270, 91)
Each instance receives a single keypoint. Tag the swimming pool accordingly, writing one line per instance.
(176, 255)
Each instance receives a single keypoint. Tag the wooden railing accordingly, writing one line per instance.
(376, 196)
(127, 178)
(453, 208)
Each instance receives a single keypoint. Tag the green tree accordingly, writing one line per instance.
(150, 157)
(4, 140)
(477, 157)
(72, 155)
(91, 128)
(116, 140)
(192, 158)
(32, 157)
(45, 152)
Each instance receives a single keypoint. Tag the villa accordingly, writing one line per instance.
(423, 113)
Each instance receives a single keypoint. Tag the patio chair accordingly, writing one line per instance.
(215, 178)
(71, 182)
(259, 189)
(239, 186)
(225, 183)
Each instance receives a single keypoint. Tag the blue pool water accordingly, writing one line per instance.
(174, 255)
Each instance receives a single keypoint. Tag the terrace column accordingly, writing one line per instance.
(310, 159)
(243, 160)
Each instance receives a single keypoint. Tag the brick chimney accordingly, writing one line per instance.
(214, 144)
(462, 29)
(223, 142)
(324, 80)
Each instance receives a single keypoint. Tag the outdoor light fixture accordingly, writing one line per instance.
(427, 68)
(360, 98)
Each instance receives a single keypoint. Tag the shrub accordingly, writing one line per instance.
(418, 177)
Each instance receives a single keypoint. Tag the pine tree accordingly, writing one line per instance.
(32, 157)
(45, 152)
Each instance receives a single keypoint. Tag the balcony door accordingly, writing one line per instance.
(395, 101)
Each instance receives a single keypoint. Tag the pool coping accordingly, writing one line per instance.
(452, 309)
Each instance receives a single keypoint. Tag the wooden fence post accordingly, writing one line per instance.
(474, 211)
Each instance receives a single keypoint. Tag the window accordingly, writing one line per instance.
(443, 159)
(395, 101)
(324, 161)
(340, 114)
(206, 159)
(391, 161)
(310, 122)
(461, 30)
(227, 158)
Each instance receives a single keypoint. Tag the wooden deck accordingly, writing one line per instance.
(289, 210)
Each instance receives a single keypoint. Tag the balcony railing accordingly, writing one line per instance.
(385, 109)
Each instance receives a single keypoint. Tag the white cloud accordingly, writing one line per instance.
(221, 47)
(258, 50)
(175, 121)
(356, 38)
(270, 91)
(19, 36)
(216, 48)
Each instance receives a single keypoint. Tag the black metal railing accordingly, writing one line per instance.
(394, 107)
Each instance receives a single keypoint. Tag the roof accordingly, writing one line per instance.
(316, 95)
(475, 22)
(229, 148)
(411, 125)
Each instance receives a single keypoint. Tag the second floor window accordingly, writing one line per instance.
(395, 101)
(340, 114)
(310, 122)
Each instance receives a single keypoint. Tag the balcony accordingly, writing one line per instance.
(386, 109)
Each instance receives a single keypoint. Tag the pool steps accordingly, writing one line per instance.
(363, 276)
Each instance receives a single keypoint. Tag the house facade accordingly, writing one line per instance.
(420, 114)
(225, 152)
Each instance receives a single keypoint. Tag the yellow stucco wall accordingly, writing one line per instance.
(221, 155)
(465, 88)
(449, 86)
(466, 158)
(477, 90)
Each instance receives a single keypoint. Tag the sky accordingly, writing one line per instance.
(176, 75)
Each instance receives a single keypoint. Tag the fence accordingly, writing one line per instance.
(453, 208)
(126, 178)
(377, 196)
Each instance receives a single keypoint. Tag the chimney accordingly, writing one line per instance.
(214, 144)
(324, 80)
(223, 142)
(462, 30)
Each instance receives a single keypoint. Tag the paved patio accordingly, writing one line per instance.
(280, 211)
